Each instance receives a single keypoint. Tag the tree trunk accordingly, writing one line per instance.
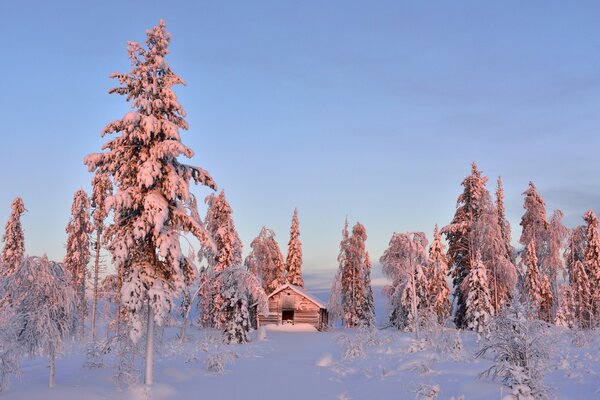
(52, 368)
(83, 303)
(96, 272)
(148, 377)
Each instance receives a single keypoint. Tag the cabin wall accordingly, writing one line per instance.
(305, 311)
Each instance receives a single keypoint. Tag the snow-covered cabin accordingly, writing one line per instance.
(290, 304)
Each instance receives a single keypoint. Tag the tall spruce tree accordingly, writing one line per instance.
(557, 233)
(336, 309)
(532, 276)
(152, 188)
(221, 227)
(13, 239)
(353, 280)
(77, 258)
(438, 290)
(503, 222)
(592, 260)
(534, 224)
(474, 229)
(293, 263)
(582, 296)
(101, 191)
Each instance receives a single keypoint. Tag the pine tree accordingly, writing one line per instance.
(293, 263)
(77, 258)
(13, 239)
(101, 191)
(533, 221)
(503, 222)
(403, 262)
(478, 308)
(592, 259)
(221, 227)
(438, 290)
(152, 188)
(532, 276)
(582, 296)
(265, 261)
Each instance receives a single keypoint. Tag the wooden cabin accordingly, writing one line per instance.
(290, 304)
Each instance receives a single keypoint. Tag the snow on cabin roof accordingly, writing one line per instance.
(298, 290)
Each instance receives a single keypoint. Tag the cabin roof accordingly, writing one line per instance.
(298, 290)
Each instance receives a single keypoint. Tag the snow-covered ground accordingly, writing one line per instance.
(294, 362)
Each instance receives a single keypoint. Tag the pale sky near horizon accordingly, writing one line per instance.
(371, 110)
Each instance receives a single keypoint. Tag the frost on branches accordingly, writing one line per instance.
(237, 284)
(152, 187)
(505, 230)
(228, 253)
(535, 226)
(101, 191)
(403, 262)
(479, 309)
(532, 276)
(437, 289)
(43, 306)
(592, 260)
(478, 227)
(265, 261)
(13, 239)
(582, 296)
(351, 291)
(76, 260)
(293, 262)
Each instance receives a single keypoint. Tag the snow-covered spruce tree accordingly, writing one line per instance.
(335, 306)
(369, 305)
(534, 223)
(475, 229)
(592, 260)
(293, 262)
(520, 346)
(77, 258)
(532, 276)
(13, 239)
(564, 312)
(205, 304)
(228, 253)
(437, 289)
(478, 308)
(152, 188)
(403, 263)
(353, 281)
(575, 250)
(237, 284)
(101, 191)
(546, 300)
(265, 260)
(582, 296)
(43, 306)
(505, 230)
(557, 233)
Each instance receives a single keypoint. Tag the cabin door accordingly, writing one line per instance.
(287, 316)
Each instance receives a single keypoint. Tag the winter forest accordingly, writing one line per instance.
(155, 299)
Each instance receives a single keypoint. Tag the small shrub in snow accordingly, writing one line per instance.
(581, 338)
(521, 352)
(352, 346)
(427, 392)
(215, 362)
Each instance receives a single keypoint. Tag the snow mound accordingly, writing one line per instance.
(325, 361)
(291, 328)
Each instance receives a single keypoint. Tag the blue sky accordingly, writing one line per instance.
(371, 110)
